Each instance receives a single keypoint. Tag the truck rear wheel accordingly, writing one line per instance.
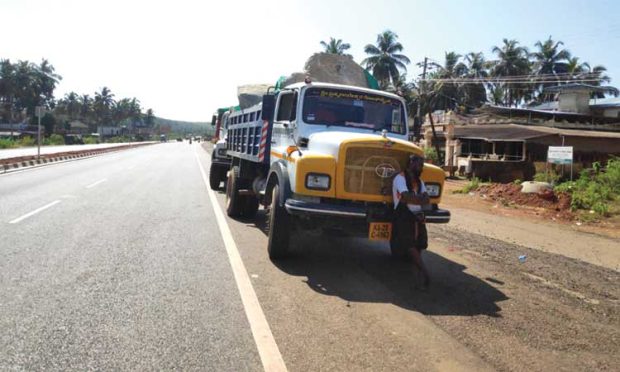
(234, 201)
(279, 227)
(214, 177)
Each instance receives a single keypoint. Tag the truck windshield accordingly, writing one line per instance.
(353, 109)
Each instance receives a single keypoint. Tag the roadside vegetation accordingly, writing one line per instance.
(597, 189)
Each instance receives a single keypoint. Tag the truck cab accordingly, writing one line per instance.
(323, 155)
(220, 161)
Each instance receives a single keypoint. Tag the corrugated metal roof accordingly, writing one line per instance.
(521, 133)
(498, 133)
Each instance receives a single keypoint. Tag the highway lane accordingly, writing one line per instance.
(128, 271)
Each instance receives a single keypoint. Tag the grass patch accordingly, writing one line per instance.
(472, 185)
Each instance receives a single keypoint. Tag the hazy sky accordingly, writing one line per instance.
(185, 58)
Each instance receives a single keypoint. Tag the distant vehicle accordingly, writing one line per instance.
(197, 138)
(179, 139)
(163, 138)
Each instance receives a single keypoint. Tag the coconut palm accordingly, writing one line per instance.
(477, 68)
(385, 60)
(102, 105)
(512, 61)
(447, 92)
(549, 59)
(335, 46)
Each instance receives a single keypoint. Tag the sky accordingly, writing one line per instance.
(185, 58)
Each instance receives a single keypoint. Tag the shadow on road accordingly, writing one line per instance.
(357, 270)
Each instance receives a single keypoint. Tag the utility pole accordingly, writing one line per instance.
(39, 112)
(423, 82)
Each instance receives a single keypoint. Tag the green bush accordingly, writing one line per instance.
(89, 140)
(55, 140)
(431, 155)
(6, 143)
(26, 141)
(596, 188)
(547, 176)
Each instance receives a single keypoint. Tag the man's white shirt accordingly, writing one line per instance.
(399, 186)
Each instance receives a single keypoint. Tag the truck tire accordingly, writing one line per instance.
(234, 201)
(279, 227)
(222, 175)
(214, 177)
(250, 206)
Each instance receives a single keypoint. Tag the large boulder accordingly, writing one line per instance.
(250, 95)
(331, 68)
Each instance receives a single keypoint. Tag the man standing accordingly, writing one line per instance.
(409, 229)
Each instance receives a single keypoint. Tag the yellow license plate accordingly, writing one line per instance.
(380, 231)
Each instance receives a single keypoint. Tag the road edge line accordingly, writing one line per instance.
(263, 337)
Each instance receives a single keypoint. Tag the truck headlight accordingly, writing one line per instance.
(433, 190)
(317, 181)
(221, 152)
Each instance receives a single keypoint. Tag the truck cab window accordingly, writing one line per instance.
(286, 107)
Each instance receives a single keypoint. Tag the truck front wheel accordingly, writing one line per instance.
(279, 227)
(234, 201)
(214, 177)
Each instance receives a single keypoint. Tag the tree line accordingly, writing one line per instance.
(514, 76)
(25, 85)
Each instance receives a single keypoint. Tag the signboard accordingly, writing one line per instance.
(560, 154)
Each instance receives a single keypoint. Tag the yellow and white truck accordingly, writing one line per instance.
(321, 155)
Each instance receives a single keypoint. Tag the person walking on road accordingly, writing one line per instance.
(409, 229)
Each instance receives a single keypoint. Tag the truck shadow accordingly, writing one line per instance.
(360, 271)
(357, 270)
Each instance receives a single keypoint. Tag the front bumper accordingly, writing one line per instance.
(310, 209)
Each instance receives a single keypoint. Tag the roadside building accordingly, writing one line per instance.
(504, 143)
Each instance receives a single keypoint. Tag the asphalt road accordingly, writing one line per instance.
(119, 262)
(126, 272)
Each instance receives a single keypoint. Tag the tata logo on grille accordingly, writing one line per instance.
(385, 170)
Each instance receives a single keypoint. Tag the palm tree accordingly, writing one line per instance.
(477, 68)
(335, 46)
(102, 105)
(446, 92)
(149, 118)
(512, 61)
(385, 60)
(550, 59)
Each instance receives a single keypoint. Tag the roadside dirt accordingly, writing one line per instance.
(507, 200)
(558, 313)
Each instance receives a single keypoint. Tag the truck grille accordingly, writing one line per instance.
(370, 171)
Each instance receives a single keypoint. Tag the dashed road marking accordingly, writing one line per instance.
(267, 348)
(19, 219)
(96, 183)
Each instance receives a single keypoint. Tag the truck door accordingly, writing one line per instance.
(284, 123)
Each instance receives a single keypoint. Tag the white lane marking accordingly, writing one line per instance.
(35, 211)
(267, 348)
(96, 183)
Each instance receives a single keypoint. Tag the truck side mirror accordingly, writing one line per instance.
(213, 120)
(269, 105)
